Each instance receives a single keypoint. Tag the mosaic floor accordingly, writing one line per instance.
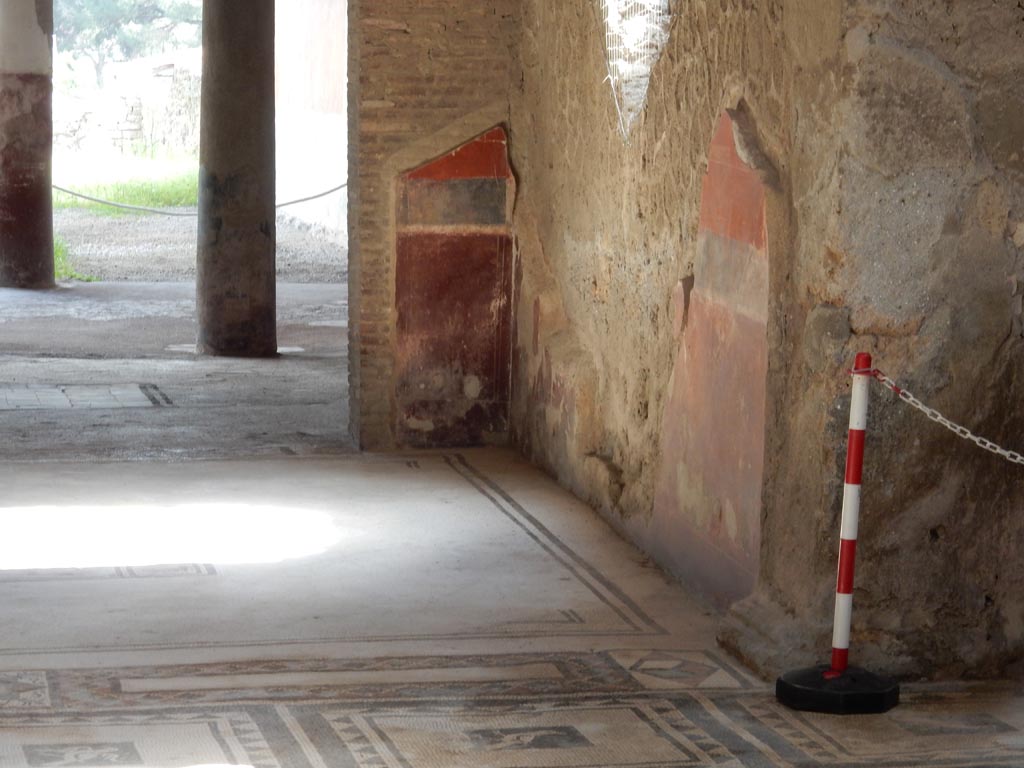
(502, 627)
(520, 711)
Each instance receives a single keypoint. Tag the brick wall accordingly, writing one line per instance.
(426, 76)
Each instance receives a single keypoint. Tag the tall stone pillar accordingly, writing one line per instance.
(236, 280)
(26, 143)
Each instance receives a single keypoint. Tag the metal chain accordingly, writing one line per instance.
(938, 418)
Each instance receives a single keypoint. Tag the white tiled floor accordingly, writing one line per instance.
(58, 397)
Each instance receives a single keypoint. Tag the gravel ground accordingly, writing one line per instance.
(163, 248)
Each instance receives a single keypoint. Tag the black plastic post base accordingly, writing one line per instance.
(855, 692)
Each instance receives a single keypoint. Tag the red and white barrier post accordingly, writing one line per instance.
(851, 516)
(838, 688)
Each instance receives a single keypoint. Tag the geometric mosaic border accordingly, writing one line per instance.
(715, 728)
(491, 677)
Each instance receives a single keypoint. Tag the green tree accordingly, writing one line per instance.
(116, 30)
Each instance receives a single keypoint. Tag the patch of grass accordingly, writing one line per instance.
(174, 192)
(62, 264)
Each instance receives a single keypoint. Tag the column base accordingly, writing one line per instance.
(42, 285)
(235, 350)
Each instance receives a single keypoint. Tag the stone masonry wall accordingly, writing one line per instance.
(895, 225)
(427, 76)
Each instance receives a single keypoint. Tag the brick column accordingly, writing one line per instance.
(26, 143)
(236, 280)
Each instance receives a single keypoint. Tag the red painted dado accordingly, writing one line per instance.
(485, 157)
(733, 198)
(723, 396)
(452, 293)
(708, 497)
(453, 289)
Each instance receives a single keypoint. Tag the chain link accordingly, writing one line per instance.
(938, 418)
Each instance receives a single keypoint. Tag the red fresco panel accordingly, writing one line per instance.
(723, 145)
(453, 289)
(723, 398)
(485, 157)
(454, 318)
(708, 497)
(733, 200)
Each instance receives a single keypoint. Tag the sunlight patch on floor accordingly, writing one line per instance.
(43, 537)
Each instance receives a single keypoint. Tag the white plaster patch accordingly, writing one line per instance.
(858, 42)
(421, 425)
(1018, 235)
(24, 46)
(471, 387)
(636, 32)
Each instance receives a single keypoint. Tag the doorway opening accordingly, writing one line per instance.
(105, 365)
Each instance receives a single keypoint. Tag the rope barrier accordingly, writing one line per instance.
(124, 205)
(186, 214)
(313, 197)
(960, 431)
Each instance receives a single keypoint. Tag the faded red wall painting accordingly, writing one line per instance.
(708, 502)
(453, 295)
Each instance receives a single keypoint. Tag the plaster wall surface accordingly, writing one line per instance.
(428, 76)
(885, 134)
